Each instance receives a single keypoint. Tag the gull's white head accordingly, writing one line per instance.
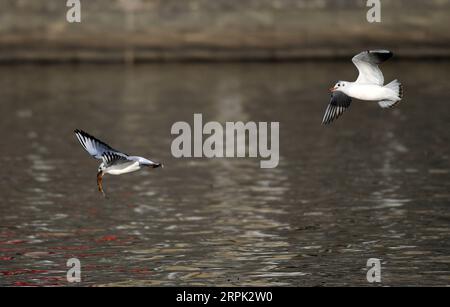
(340, 86)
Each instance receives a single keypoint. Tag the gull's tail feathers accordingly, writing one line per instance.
(387, 103)
(397, 88)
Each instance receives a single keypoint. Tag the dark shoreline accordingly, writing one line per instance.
(120, 57)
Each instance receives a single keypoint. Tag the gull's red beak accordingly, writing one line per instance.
(332, 89)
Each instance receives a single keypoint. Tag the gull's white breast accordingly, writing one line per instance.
(371, 92)
(123, 168)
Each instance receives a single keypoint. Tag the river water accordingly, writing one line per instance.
(374, 184)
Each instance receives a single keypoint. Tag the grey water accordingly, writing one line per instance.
(374, 184)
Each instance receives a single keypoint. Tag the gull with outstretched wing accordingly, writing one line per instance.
(114, 162)
(368, 86)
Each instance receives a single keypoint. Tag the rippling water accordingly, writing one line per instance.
(375, 184)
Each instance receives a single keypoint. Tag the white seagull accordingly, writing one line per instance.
(368, 86)
(114, 162)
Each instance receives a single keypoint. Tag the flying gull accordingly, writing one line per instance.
(114, 162)
(368, 86)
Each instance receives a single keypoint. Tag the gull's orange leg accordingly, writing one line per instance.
(99, 182)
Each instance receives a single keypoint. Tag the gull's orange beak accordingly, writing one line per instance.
(332, 89)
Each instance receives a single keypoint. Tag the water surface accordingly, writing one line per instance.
(375, 184)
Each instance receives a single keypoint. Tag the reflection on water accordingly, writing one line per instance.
(374, 184)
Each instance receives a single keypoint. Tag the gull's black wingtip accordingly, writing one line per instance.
(381, 55)
(82, 132)
(158, 164)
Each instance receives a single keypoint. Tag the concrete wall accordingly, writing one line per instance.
(116, 30)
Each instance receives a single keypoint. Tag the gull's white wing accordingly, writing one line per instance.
(367, 63)
(95, 147)
(338, 104)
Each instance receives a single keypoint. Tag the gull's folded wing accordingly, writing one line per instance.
(367, 63)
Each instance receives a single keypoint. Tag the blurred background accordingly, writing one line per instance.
(374, 184)
(143, 30)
